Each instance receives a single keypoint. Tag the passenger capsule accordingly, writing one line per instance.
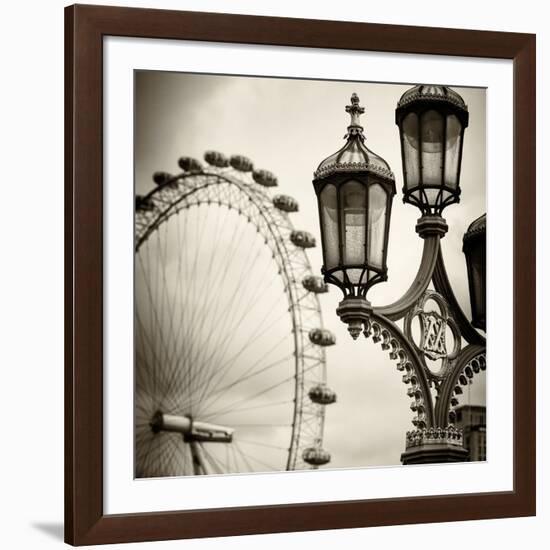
(316, 456)
(214, 158)
(144, 204)
(189, 164)
(285, 203)
(322, 395)
(265, 178)
(160, 178)
(303, 239)
(241, 163)
(174, 183)
(315, 284)
(322, 337)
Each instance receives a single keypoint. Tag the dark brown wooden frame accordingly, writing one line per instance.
(85, 27)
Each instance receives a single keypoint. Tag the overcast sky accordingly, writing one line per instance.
(289, 127)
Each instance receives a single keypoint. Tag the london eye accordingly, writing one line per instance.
(230, 359)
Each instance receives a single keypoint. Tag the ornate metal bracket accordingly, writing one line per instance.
(435, 438)
(399, 308)
(432, 229)
(402, 351)
(457, 365)
(470, 362)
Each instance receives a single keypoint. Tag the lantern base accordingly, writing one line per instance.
(428, 226)
(354, 311)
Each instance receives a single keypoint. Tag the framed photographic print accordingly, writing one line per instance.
(280, 277)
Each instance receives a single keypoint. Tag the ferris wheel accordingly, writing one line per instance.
(230, 366)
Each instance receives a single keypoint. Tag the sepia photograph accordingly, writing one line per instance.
(309, 274)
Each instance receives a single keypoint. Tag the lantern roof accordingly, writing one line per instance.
(476, 227)
(431, 92)
(354, 156)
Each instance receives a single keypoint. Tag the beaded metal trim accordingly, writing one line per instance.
(431, 97)
(336, 167)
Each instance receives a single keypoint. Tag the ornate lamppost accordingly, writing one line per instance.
(355, 189)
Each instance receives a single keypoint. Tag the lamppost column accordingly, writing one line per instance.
(434, 446)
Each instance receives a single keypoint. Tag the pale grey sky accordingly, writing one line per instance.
(289, 127)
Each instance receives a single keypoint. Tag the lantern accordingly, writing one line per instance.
(431, 121)
(355, 189)
(474, 247)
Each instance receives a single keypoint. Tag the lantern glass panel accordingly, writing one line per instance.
(454, 128)
(378, 201)
(431, 195)
(329, 220)
(410, 150)
(354, 217)
(432, 143)
(476, 260)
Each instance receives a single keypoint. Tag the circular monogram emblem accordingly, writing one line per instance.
(434, 333)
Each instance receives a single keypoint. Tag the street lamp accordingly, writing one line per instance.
(355, 189)
(474, 250)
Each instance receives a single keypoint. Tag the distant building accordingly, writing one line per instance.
(471, 419)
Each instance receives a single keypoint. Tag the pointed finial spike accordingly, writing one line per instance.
(355, 110)
(354, 328)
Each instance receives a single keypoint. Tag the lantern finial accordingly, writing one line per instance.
(355, 110)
